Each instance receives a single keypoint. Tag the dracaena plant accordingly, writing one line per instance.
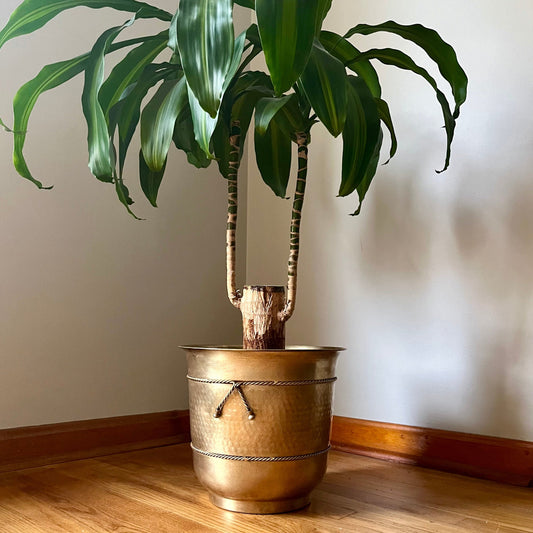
(206, 96)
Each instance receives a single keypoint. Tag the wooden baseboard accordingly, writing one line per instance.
(497, 459)
(504, 460)
(28, 447)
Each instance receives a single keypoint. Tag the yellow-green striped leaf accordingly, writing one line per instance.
(128, 70)
(34, 14)
(323, 82)
(150, 179)
(436, 48)
(273, 156)
(101, 156)
(390, 56)
(158, 120)
(287, 29)
(346, 52)
(130, 106)
(205, 41)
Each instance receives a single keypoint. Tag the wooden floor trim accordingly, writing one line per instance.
(504, 460)
(497, 459)
(33, 446)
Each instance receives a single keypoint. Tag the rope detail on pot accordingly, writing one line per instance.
(259, 459)
(237, 386)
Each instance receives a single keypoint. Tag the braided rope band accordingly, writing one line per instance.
(259, 459)
(262, 383)
(236, 386)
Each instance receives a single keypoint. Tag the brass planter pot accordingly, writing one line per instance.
(260, 423)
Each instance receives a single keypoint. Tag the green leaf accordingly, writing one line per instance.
(390, 56)
(273, 156)
(101, 157)
(323, 9)
(204, 124)
(324, 84)
(150, 179)
(222, 148)
(287, 29)
(205, 40)
(130, 106)
(124, 196)
(437, 49)
(184, 140)
(238, 50)
(363, 187)
(34, 14)
(129, 69)
(385, 117)
(158, 120)
(50, 76)
(266, 109)
(360, 135)
(344, 51)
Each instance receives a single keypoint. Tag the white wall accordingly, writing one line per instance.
(94, 304)
(430, 289)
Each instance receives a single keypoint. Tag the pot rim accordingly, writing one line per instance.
(236, 348)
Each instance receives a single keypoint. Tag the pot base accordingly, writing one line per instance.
(259, 507)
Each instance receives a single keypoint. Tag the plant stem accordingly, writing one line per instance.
(302, 140)
(231, 228)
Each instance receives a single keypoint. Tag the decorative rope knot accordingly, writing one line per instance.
(236, 386)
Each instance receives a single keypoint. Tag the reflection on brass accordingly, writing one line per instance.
(287, 437)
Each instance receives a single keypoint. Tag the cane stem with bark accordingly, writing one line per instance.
(265, 309)
(302, 140)
(231, 228)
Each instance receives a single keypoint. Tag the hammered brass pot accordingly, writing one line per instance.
(260, 424)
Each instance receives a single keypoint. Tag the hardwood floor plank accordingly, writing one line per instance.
(156, 491)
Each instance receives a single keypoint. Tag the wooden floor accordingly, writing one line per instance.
(155, 491)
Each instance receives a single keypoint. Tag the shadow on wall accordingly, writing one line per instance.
(487, 244)
(468, 249)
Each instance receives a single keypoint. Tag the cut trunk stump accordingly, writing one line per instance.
(261, 308)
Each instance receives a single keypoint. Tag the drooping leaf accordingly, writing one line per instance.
(323, 82)
(123, 194)
(287, 29)
(390, 56)
(363, 187)
(101, 157)
(49, 77)
(385, 117)
(130, 111)
(205, 41)
(31, 15)
(158, 120)
(150, 179)
(360, 135)
(184, 139)
(204, 124)
(273, 156)
(436, 48)
(129, 69)
(344, 51)
(266, 109)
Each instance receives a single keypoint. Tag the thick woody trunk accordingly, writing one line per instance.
(261, 308)
(264, 308)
